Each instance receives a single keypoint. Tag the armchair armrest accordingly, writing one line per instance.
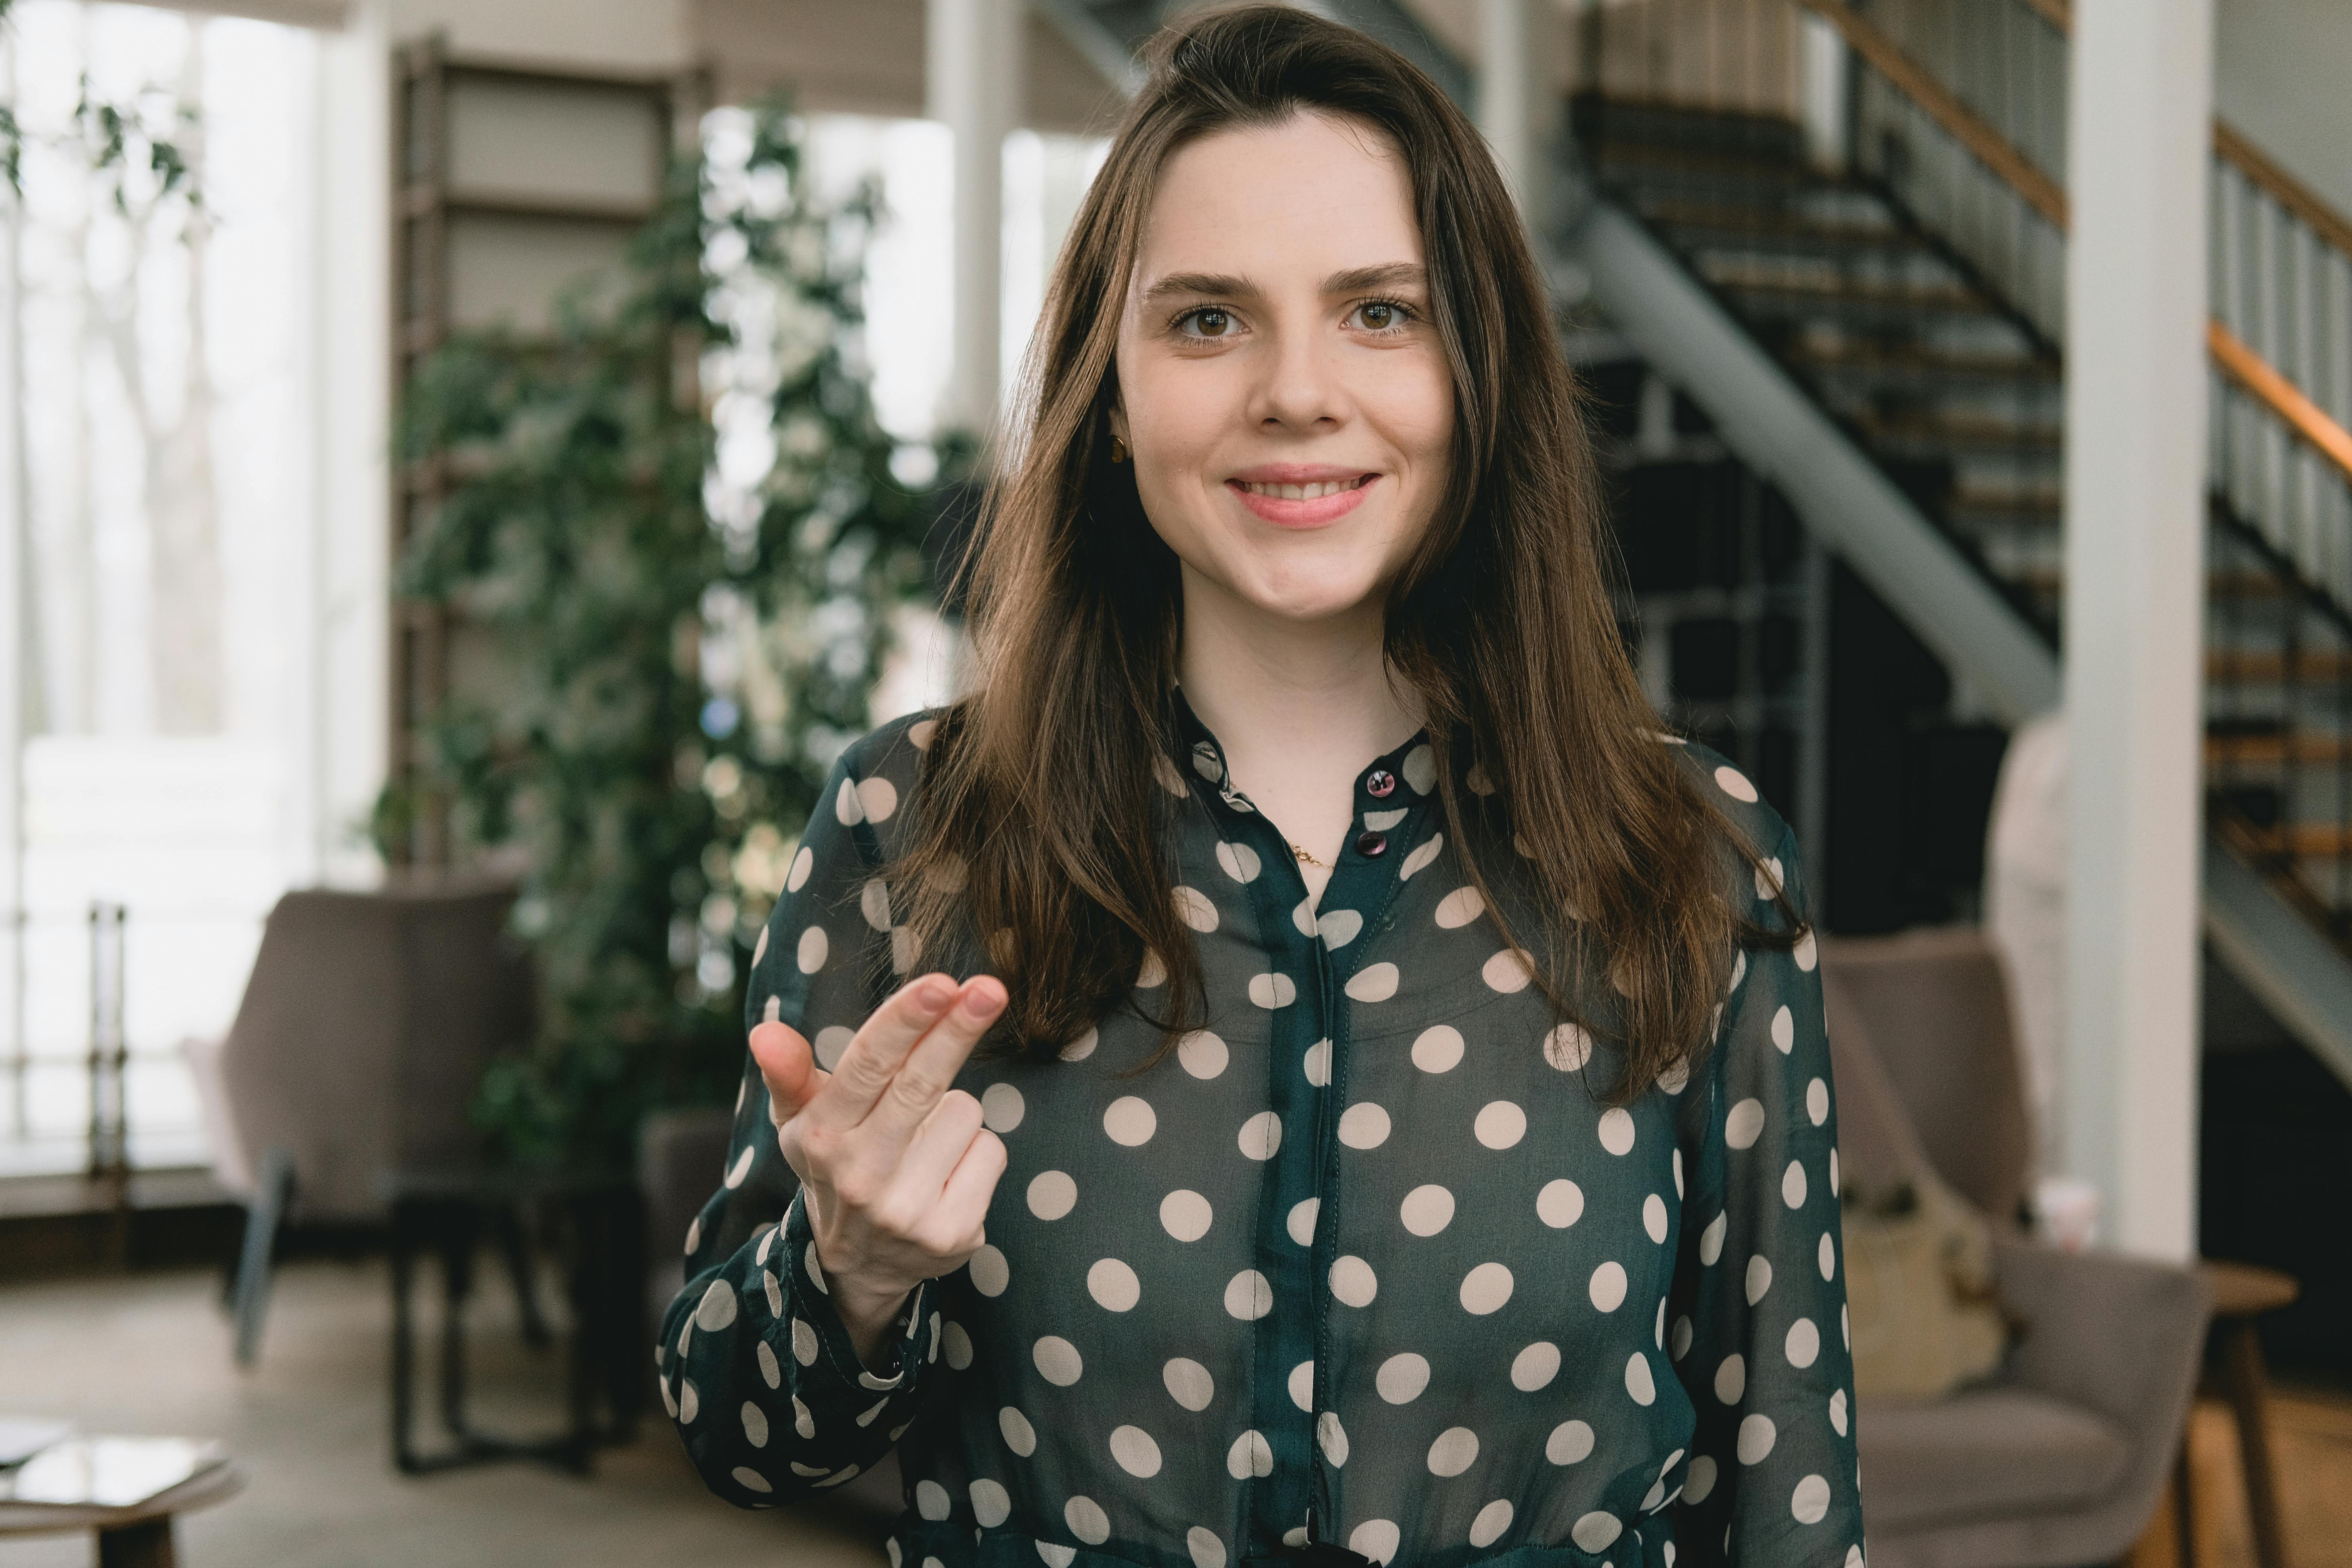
(2118, 1335)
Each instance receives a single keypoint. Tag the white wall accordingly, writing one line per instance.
(2282, 74)
(619, 35)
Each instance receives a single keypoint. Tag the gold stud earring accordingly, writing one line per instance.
(1118, 450)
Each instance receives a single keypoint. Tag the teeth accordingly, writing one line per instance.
(1301, 493)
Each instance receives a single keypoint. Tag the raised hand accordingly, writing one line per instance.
(896, 1169)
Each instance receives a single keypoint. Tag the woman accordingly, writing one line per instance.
(1386, 1113)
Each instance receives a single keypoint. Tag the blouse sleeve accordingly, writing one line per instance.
(1762, 1346)
(756, 1367)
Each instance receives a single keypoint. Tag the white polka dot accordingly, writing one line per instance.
(1731, 1379)
(1202, 1054)
(1052, 1553)
(1596, 1532)
(831, 1041)
(1700, 1479)
(1373, 982)
(1638, 1381)
(1485, 1288)
(990, 1273)
(1420, 769)
(1508, 971)
(1421, 860)
(1193, 907)
(931, 1500)
(1437, 1049)
(1129, 1120)
(1250, 1456)
(776, 1297)
(1261, 1135)
(1658, 1332)
(740, 1168)
(1675, 1077)
(1768, 878)
(1317, 1063)
(1082, 1048)
(1363, 1125)
(1427, 1209)
(755, 1425)
(1833, 1175)
(1331, 1438)
(1058, 1361)
(1185, 1215)
(759, 948)
(1338, 928)
(1491, 1520)
(1683, 1334)
(905, 948)
(1272, 990)
(1744, 1124)
(1569, 1444)
(991, 1503)
(1455, 1451)
(1837, 1412)
(1568, 1048)
(1052, 1194)
(1301, 1222)
(1152, 974)
(873, 903)
(1784, 1031)
(1205, 1550)
(1001, 1107)
(959, 1345)
(1810, 1502)
(813, 950)
(1803, 1344)
(802, 863)
(769, 1372)
(878, 798)
(1535, 1366)
(1459, 908)
(1792, 1184)
(1759, 1278)
(1238, 861)
(1500, 1125)
(1302, 1385)
(1087, 1521)
(1757, 1435)
(846, 807)
(1248, 1296)
(1303, 916)
(1733, 783)
(752, 1479)
(1401, 1378)
(1561, 1203)
(1019, 1436)
(1617, 1129)
(1188, 1382)
(1607, 1287)
(1817, 1102)
(1113, 1285)
(1352, 1280)
(1137, 1454)
(1807, 953)
(1376, 1539)
(1710, 1240)
(804, 1346)
(1826, 1255)
(717, 1309)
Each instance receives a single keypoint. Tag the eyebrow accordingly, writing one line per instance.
(1388, 275)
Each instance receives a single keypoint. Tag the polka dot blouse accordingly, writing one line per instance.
(1364, 1263)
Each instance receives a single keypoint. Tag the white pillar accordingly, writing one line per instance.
(1508, 103)
(2139, 124)
(1821, 76)
(18, 664)
(973, 81)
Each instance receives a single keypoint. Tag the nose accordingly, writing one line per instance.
(1299, 389)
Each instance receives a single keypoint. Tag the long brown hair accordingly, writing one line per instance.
(1038, 790)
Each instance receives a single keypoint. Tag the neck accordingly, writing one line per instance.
(1275, 692)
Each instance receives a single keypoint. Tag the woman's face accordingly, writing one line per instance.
(1281, 386)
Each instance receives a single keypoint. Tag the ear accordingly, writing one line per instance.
(1118, 420)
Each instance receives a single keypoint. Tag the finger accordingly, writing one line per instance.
(788, 1068)
(875, 1052)
(937, 1145)
(972, 1183)
(930, 1068)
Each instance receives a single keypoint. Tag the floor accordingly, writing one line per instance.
(151, 1353)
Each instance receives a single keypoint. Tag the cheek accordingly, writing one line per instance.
(1420, 417)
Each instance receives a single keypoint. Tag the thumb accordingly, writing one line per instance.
(789, 1067)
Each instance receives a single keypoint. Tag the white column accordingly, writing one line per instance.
(1507, 105)
(973, 83)
(18, 664)
(2140, 115)
(1821, 75)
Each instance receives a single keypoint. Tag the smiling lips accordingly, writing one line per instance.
(1291, 497)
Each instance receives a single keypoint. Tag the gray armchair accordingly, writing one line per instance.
(357, 1048)
(2060, 1459)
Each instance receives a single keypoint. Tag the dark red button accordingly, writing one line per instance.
(1380, 784)
(1371, 844)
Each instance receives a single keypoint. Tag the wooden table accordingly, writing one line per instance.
(135, 1537)
(2242, 1292)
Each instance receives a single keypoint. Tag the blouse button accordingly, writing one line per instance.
(1371, 844)
(1380, 784)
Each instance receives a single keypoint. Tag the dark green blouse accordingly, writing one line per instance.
(1366, 1261)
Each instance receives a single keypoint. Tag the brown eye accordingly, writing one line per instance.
(1211, 324)
(1377, 315)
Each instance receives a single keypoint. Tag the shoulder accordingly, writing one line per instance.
(892, 752)
(1733, 792)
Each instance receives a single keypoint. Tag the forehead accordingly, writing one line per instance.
(1309, 196)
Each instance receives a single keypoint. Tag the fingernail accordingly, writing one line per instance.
(937, 993)
(980, 1001)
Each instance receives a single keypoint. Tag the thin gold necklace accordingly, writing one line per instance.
(1304, 855)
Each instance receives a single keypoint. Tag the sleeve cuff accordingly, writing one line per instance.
(816, 1328)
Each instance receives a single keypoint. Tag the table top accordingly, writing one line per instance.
(218, 1484)
(2248, 1290)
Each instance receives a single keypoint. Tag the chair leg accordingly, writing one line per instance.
(272, 1193)
(514, 1243)
(2248, 1385)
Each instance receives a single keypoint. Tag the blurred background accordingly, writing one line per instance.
(465, 471)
